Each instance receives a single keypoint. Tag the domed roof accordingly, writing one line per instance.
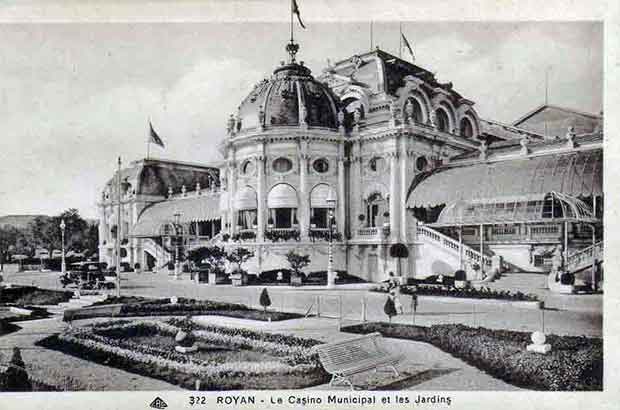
(290, 93)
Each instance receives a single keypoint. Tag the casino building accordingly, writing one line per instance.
(407, 160)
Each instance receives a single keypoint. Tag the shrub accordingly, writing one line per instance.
(460, 275)
(44, 297)
(389, 308)
(16, 376)
(265, 300)
(136, 266)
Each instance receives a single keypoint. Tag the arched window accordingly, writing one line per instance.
(246, 205)
(282, 204)
(376, 206)
(421, 163)
(443, 122)
(466, 128)
(319, 207)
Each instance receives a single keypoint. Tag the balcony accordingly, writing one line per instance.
(373, 233)
(282, 234)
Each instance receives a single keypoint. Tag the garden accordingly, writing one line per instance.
(574, 363)
(226, 359)
(137, 306)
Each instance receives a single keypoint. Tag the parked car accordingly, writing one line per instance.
(89, 275)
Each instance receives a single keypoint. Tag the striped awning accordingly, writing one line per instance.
(194, 209)
(246, 199)
(282, 196)
(575, 174)
(319, 195)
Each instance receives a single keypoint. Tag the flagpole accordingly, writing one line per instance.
(400, 39)
(371, 42)
(292, 21)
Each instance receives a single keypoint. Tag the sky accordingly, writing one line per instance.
(75, 96)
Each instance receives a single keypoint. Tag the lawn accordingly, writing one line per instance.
(574, 364)
(229, 358)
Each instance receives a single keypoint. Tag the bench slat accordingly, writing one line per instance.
(356, 355)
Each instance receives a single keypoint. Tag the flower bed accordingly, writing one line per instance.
(162, 307)
(147, 347)
(465, 293)
(574, 363)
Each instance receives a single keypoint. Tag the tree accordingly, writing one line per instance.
(389, 308)
(297, 261)
(8, 239)
(46, 231)
(264, 300)
(239, 256)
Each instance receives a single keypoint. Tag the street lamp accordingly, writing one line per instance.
(177, 218)
(63, 267)
(331, 203)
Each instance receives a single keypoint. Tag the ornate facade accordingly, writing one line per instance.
(371, 131)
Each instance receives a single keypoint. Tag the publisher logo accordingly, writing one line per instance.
(158, 403)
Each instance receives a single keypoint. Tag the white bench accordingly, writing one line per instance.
(348, 357)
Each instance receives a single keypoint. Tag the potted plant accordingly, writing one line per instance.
(238, 257)
(297, 262)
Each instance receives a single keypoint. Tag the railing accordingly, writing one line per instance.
(545, 230)
(373, 232)
(449, 243)
(576, 258)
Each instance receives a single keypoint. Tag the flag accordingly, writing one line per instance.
(295, 9)
(408, 46)
(154, 138)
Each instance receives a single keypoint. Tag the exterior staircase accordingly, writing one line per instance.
(582, 259)
(161, 254)
(456, 250)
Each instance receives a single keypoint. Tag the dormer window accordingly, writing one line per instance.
(466, 129)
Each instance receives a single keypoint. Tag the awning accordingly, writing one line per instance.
(282, 196)
(194, 209)
(552, 207)
(245, 199)
(319, 194)
(574, 174)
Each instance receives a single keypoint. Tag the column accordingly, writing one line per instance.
(394, 196)
(404, 158)
(232, 191)
(260, 197)
(355, 187)
(102, 232)
(303, 216)
(341, 197)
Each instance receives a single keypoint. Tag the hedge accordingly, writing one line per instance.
(575, 363)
